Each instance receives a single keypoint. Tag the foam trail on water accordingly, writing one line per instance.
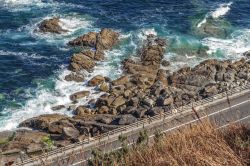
(233, 47)
(222, 10)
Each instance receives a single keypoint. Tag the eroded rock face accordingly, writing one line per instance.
(74, 77)
(106, 39)
(97, 80)
(51, 25)
(88, 39)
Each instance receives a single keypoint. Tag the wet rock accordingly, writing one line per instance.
(106, 39)
(74, 77)
(97, 80)
(79, 95)
(58, 107)
(51, 25)
(70, 132)
(80, 61)
(88, 39)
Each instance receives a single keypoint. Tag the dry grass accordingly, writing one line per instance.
(196, 145)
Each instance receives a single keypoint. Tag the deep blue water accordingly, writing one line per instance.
(33, 64)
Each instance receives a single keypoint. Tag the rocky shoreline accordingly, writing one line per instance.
(144, 89)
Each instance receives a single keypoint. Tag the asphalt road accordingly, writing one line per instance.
(220, 111)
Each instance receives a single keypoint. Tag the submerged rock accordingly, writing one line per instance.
(52, 26)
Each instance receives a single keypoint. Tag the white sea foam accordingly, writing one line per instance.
(231, 48)
(44, 99)
(222, 10)
(145, 32)
(73, 24)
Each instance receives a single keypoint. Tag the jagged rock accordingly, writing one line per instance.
(74, 77)
(70, 132)
(58, 107)
(82, 111)
(106, 39)
(79, 95)
(51, 25)
(152, 54)
(97, 80)
(80, 61)
(126, 119)
(88, 39)
(139, 112)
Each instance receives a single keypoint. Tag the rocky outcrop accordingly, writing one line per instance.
(52, 26)
(74, 77)
(78, 95)
(86, 59)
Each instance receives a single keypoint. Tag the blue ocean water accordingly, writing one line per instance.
(33, 64)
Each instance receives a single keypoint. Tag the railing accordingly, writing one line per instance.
(140, 123)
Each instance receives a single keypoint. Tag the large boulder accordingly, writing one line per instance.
(51, 25)
(82, 111)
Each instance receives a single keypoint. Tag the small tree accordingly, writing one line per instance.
(143, 137)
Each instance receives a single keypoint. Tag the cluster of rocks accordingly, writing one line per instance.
(93, 46)
(144, 89)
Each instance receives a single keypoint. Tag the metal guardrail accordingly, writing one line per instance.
(139, 123)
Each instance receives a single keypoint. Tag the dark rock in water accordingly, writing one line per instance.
(79, 95)
(88, 39)
(51, 25)
(70, 133)
(126, 119)
(247, 54)
(58, 107)
(165, 63)
(97, 80)
(74, 77)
